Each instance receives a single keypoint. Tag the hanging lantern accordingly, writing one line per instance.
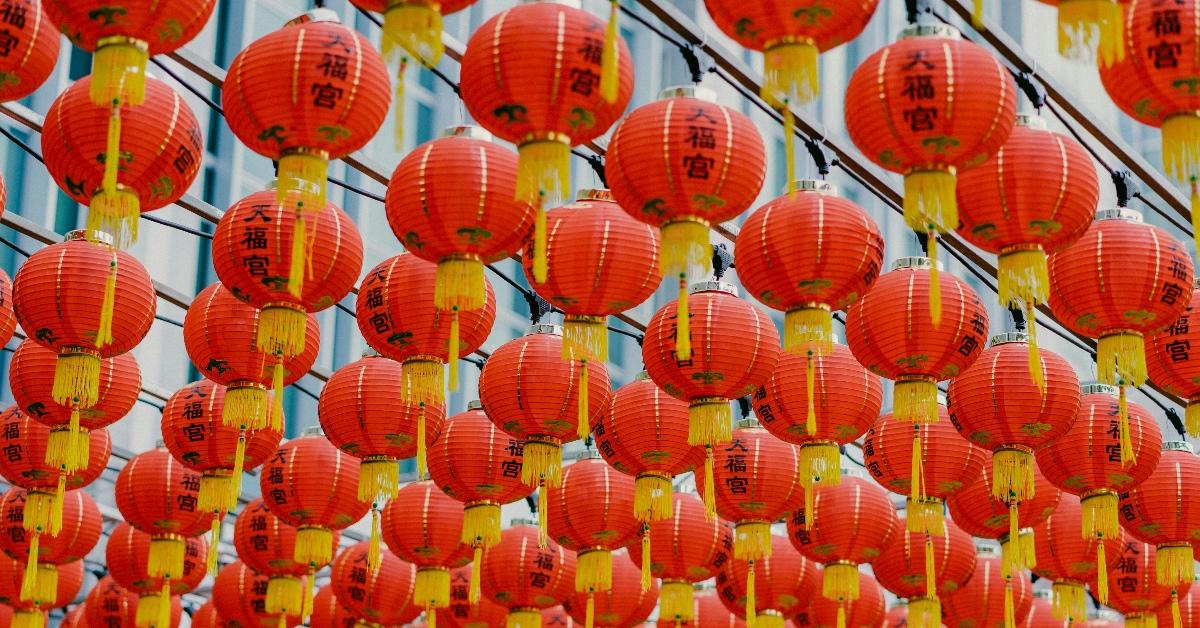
(853, 523)
(865, 612)
(199, 440)
(923, 567)
(267, 545)
(643, 433)
(157, 157)
(32, 614)
(707, 610)
(560, 98)
(998, 405)
(109, 605)
(1035, 196)
(1137, 593)
(1156, 510)
(1041, 612)
(1070, 557)
(626, 603)
(525, 578)
(423, 525)
(218, 333)
(41, 552)
(87, 301)
(741, 349)
(684, 164)
(462, 612)
(480, 466)
(385, 596)
(1188, 610)
(398, 317)
(1096, 291)
(926, 106)
(364, 415)
(591, 513)
(769, 590)
(689, 548)
(1070, 464)
(528, 394)
(33, 53)
(989, 597)
(31, 379)
(890, 332)
(327, 611)
(25, 443)
(8, 317)
(128, 554)
(452, 201)
(239, 595)
(207, 617)
(1091, 30)
(1169, 364)
(600, 262)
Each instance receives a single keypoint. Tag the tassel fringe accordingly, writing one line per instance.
(1191, 417)
(791, 75)
(710, 491)
(653, 497)
(926, 516)
(1101, 572)
(433, 588)
(675, 601)
(374, 557)
(1174, 565)
(119, 74)
(245, 408)
(1181, 146)
(76, 379)
(594, 571)
(423, 379)
(481, 525)
(115, 213)
(39, 513)
(524, 619)
(542, 463)
(1121, 357)
(929, 202)
(751, 601)
(582, 423)
(1068, 601)
(1023, 277)
(683, 323)
(302, 179)
(610, 61)
(1100, 516)
(282, 330)
(1010, 609)
(285, 595)
(460, 284)
(29, 579)
(166, 557)
(214, 546)
(378, 479)
(314, 546)
(1091, 30)
(925, 613)
(585, 336)
(476, 574)
(29, 619)
(415, 29)
(915, 400)
(1012, 473)
(710, 420)
(1128, 455)
(808, 331)
(840, 583)
(453, 348)
(216, 492)
(647, 576)
(752, 540)
(543, 176)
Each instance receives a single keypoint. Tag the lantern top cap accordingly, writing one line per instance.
(1031, 120)
(594, 194)
(1098, 389)
(160, 443)
(468, 131)
(587, 454)
(1119, 213)
(1177, 445)
(747, 423)
(1009, 337)
(575, 4)
(641, 376)
(986, 550)
(1042, 594)
(99, 237)
(714, 286)
(370, 352)
(314, 430)
(930, 30)
(544, 328)
(1106, 615)
(474, 404)
(314, 15)
(815, 185)
(853, 472)
(688, 91)
(915, 263)
(522, 521)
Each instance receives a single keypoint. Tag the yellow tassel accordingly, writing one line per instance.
(769, 618)
(1035, 359)
(710, 491)
(1174, 565)
(414, 28)
(422, 467)
(282, 330)
(647, 578)
(1101, 572)
(675, 601)
(790, 75)
(582, 423)
(686, 250)
(104, 330)
(1010, 611)
(543, 175)
(930, 568)
(542, 463)
(481, 525)
(452, 349)
(29, 619)
(214, 544)
(1191, 417)
(398, 106)
(423, 379)
(433, 588)
(917, 464)
(1016, 549)
(476, 573)
(239, 464)
(1014, 529)
(841, 616)
(302, 178)
(929, 202)
(310, 591)
(820, 465)
(594, 571)
(38, 516)
(926, 516)
(808, 330)
(46, 590)
(1181, 146)
(56, 506)
(459, 284)
(147, 611)
(1068, 601)
(585, 336)
(789, 146)
(1012, 473)
(1100, 515)
(216, 492)
(1091, 30)
(112, 151)
(63, 449)
(610, 62)
(683, 324)
(542, 513)
(373, 550)
(925, 613)
(277, 397)
(29, 580)
(76, 379)
(297, 262)
(840, 583)
(752, 540)
(751, 602)
(935, 284)
(1023, 277)
(809, 516)
(810, 385)
(915, 400)
(652, 497)
(166, 557)
(115, 213)
(245, 407)
(1195, 208)
(164, 606)
(524, 619)
(1128, 456)
(1176, 616)
(540, 262)
(710, 420)
(977, 22)
(1121, 357)
(285, 594)
(378, 479)
(119, 73)
(314, 546)
(590, 612)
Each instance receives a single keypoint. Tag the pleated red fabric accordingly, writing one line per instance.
(689, 547)
(381, 597)
(901, 566)
(24, 442)
(328, 612)
(162, 26)
(625, 604)
(267, 545)
(128, 551)
(756, 477)
(593, 509)
(855, 521)
(461, 613)
(31, 379)
(976, 511)
(865, 612)
(193, 432)
(240, 596)
(707, 610)
(847, 398)
(1169, 363)
(951, 462)
(1189, 610)
(207, 617)
(645, 430)
(1135, 587)
(34, 53)
(520, 575)
(784, 581)
(423, 526)
(310, 483)
(81, 529)
(1064, 552)
(158, 495)
(70, 581)
(1156, 510)
(473, 461)
(8, 316)
(981, 600)
(1041, 613)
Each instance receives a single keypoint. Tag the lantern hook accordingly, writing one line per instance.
(1176, 423)
(597, 164)
(1126, 186)
(538, 307)
(818, 155)
(722, 261)
(688, 51)
(1018, 318)
(917, 7)
(744, 406)
(1033, 91)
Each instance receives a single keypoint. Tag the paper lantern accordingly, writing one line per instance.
(990, 598)
(109, 605)
(381, 596)
(525, 578)
(1169, 365)
(924, 575)
(32, 614)
(625, 603)
(462, 612)
(1070, 557)
(268, 546)
(707, 610)
(30, 50)
(77, 618)
(42, 552)
(1136, 592)
(1156, 511)
(127, 554)
(976, 510)
(240, 595)
(865, 612)
(782, 583)
(423, 525)
(328, 612)
(206, 616)
(8, 317)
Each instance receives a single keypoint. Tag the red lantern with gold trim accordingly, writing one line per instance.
(385, 597)
(34, 53)
(239, 595)
(399, 318)
(423, 525)
(462, 612)
(127, 554)
(689, 548)
(32, 613)
(976, 510)
(1169, 364)
(591, 513)
(219, 334)
(865, 612)
(1157, 510)
(990, 598)
(525, 578)
(600, 262)
(8, 316)
(87, 301)
(42, 552)
(962, 115)
(626, 603)
(108, 604)
(264, 255)
(707, 610)
(159, 155)
(904, 568)
(1137, 593)
(769, 590)
(327, 611)
(364, 415)
(1189, 610)
(268, 546)
(1069, 556)
(206, 616)
(741, 349)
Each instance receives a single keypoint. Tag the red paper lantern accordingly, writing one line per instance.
(32, 613)
(34, 51)
(626, 603)
(385, 596)
(852, 524)
(1041, 612)
(462, 612)
(1137, 593)
(525, 578)
(1069, 556)
(328, 612)
(528, 394)
(159, 497)
(286, 263)
(423, 525)
(399, 318)
(959, 113)
(31, 379)
(740, 350)
(128, 553)
(600, 262)
(219, 334)
(158, 154)
(1189, 610)
(268, 546)
(707, 610)
(239, 595)
(770, 589)
(901, 568)
(683, 164)
(108, 604)
(689, 548)
(1169, 364)
(206, 616)
(1156, 510)
(364, 415)
(1096, 291)
(311, 485)
(891, 332)
(42, 552)
(330, 104)
(865, 612)
(643, 433)
(976, 510)
(8, 317)
(87, 301)
(986, 596)
(1088, 460)
(591, 513)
